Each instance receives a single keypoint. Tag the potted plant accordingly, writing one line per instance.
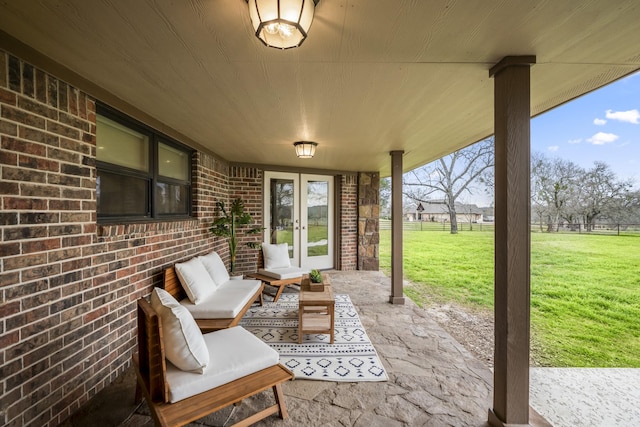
(315, 281)
(229, 223)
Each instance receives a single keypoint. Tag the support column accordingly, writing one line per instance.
(397, 295)
(512, 240)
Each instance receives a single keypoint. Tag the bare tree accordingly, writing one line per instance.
(385, 197)
(561, 191)
(553, 190)
(451, 176)
(601, 193)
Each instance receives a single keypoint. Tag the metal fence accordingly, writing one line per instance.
(612, 229)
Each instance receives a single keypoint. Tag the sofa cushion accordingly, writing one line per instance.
(226, 302)
(215, 267)
(235, 353)
(184, 345)
(276, 255)
(195, 279)
(283, 273)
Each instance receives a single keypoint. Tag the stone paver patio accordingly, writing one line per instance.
(433, 381)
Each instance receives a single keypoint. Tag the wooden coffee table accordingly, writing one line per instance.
(316, 310)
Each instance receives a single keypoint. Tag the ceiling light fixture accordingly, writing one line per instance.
(305, 149)
(281, 24)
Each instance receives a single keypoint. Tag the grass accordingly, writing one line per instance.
(316, 233)
(585, 289)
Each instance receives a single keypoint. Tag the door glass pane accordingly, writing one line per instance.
(282, 212)
(317, 218)
(120, 145)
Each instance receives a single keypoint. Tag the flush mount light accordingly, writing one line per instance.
(305, 149)
(281, 24)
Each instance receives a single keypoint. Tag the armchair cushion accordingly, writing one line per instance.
(183, 342)
(195, 279)
(283, 273)
(215, 267)
(226, 302)
(276, 255)
(235, 353)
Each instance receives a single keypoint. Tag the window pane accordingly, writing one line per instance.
(121, 146)
(121, 195)
(173, 163)
(172, 199)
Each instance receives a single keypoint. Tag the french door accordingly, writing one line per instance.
(298, 210)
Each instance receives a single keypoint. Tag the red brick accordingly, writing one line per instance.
(62, 130)
(64, 205)
(19, 233)
(8, 158)
(14, 144)
(41, 271)
(35, 190)
(37, 108)
(20, 174)
(40, 246)
(38, 163)
(23, 117)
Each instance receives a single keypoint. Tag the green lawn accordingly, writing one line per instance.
(585, 289)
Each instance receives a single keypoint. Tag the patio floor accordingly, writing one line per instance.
(433, 380)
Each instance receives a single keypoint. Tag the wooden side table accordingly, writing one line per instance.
(316, 310)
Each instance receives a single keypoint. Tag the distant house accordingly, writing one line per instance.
(436, 211)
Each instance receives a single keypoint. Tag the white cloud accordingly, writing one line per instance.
(553, 148)
(575, 141)
(602, 138)
(599, 122)
(631, 116)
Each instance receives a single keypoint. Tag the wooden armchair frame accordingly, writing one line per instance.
(150, 367)
(172, 285)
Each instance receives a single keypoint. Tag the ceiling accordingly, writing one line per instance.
(372, 76)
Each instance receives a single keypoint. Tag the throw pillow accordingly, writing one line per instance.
(215, 267)
(195, 279)
(184, 345)
(276, 255)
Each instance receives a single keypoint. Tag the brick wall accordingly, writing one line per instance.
(68, 285)
(349, 222)
(246, 183)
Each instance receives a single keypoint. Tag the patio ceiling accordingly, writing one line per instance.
(373, 76)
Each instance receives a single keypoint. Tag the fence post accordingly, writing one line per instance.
(618, 229)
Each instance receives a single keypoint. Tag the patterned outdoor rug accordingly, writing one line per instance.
(350, 358)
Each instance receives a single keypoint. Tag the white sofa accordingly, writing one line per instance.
(213, 299)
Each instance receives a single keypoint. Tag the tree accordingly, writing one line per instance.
(601, 193)
(563, 192)
(553, 190)
(385, 197)
(451, 176)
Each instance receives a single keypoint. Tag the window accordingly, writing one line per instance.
(142, 174)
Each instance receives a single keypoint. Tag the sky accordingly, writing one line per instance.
(603, 125)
